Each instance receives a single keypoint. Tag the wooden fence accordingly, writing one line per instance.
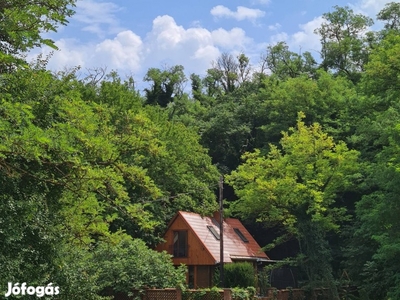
(174, 294)
(289, 294)
(225, 294)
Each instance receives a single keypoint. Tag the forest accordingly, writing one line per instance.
(92, 170)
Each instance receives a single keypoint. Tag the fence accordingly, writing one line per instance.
(289, 294)
(176, 294)
(295, 294)
(225, 294)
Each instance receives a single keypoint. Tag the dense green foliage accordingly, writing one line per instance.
(23, 23)
(76, 171)
(132, 265)
(240, 274)
(92, 171)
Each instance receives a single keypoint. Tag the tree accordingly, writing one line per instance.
(390, 14)
(344, 48)
(81, 163)
(381, 73)
(23, 23)
(166, 85)
(375, 240)
(328, 100)
(296, 188)
(227, 74)
(286, 64)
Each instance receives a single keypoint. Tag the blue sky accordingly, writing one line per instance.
(131, 36)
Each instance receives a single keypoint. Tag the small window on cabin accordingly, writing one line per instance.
(180, 243)
(214, 232)
(240, 234)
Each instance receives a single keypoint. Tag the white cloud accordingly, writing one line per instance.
(370, 7)
(124, 51)
(70, 54)
(165, 44)
(172, 44)
(304, 39)
(279, 37)
(274, 27)
(231, 39)
(241, 13)
(98, 16)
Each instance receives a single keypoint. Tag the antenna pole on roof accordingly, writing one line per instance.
(221, 231)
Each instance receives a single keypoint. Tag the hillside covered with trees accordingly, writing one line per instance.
(92, 170)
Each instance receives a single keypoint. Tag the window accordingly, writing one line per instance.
(214, 232)
(240, 234)
(180, 243)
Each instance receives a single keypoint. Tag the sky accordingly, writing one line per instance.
(130, 36)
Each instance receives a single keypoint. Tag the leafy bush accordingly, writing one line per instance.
(199, 294)
(131, 265)
(240, 274)
(243, 294)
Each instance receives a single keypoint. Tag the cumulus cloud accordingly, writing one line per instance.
(231, 39)
(165, 44)
(172, 44)
(193, 47)
(241, 13)
(124, 51)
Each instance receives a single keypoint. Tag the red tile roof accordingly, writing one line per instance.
(234, 247)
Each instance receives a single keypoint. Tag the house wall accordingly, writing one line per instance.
(204, 276)
(197, 252)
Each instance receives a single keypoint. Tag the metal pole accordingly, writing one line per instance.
(221, 231)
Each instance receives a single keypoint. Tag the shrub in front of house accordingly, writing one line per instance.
(239, 274)
(131, 265)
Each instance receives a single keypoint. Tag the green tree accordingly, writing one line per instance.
(23, 23)
(81, 163)
(344, 49)
(390, 14)
(286, 64)
(328, 100)
(227, 74)
(381, 73)
(166, 85)
(296, 188)
(375, 241)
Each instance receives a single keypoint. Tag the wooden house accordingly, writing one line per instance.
(194, 240)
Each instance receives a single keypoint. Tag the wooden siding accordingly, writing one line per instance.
(197, 252)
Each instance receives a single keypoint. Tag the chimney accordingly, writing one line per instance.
(217, 216)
